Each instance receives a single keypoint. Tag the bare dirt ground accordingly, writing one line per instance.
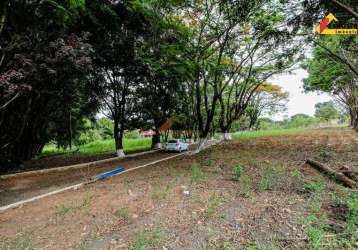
(20, 188)
(195, 202)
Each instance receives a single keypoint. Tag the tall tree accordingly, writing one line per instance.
(46, 82)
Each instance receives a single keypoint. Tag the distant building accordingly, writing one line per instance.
(147, 133)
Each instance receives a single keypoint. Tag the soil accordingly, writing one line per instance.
(193, 202)
(20, 188)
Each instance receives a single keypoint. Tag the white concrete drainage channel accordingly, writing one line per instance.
(74, 187)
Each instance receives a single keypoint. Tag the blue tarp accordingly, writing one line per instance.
(109, 173)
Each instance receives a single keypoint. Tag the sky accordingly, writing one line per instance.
(299, 102)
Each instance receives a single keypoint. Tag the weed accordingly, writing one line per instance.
(197, 175)
(228, 245)
(213, 205)
(313, 186)
(253, 246)
(209, 162)
(245, 185)
(148, 238)
(159, 193)
(324, 154)
(297, 180)
(315, 228)
(62, 210)
(123, 212)
(237, 170)
(272, 177)
(18, 244)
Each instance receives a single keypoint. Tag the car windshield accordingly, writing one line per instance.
(172, 141)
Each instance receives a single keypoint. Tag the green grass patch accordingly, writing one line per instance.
(237, 170)
(148, 238)
(273, 177)
(100, 147)
(265, 133)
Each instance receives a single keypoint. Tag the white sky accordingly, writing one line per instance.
(299, 102)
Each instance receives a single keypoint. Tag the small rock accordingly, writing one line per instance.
(135, 216)
(186, 192)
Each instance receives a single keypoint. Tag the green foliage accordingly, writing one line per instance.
(352, 204)
(314, 186)
(325, 153)
(237, 170)
(326, 111)
(228, 245)
(105, 128)
(23, 243)
(101, 146)
(297, 180)
(273, 177)
(148, 238)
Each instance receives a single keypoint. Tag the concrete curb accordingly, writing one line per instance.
(76, 166)
(77, 186)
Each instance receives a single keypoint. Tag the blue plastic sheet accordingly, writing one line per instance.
(110, 173)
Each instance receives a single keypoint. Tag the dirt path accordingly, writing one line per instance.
(20, 188)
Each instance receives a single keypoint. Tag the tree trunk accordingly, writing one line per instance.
(202, 144)
(156, 140)
(118, 138)
(226, 136)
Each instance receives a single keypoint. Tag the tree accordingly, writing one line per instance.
(268, 99)
(334, 76)
(326, 111)
(121, 26)
(46, 83)
(215, 25)
(263, 51)
(162, 90)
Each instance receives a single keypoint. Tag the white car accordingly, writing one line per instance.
(177, 145)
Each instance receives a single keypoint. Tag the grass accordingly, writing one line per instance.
(265, 133)
(23, 243)
(63, 210)
(214, 204)
(123, 212)
(100, 147)
(197, 175)
(160, 193)
(237, 170)
(148, 238)
(245, 185)
(273, 177)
